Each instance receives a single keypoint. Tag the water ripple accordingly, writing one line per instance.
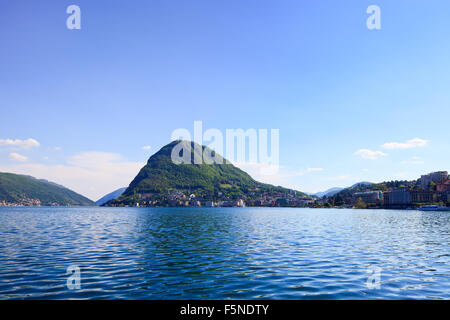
(223, 253)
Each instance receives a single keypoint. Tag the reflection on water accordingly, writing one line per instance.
(221, 253)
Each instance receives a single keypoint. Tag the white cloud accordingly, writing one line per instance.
(92, 174)
(17, 157)
(25, 144)
(412, 143)
(93, 159)
(146, 147)
(314, 169)
(369, 154)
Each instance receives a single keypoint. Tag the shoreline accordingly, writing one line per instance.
(249, 207)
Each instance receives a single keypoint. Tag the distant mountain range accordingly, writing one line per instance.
(333, 191)
(161, 176)
(328, 193)
(110, 196)
(18, 189)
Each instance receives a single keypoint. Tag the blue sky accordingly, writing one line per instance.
(136, 71)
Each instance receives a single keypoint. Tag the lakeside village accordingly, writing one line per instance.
(433, 188)
(430, 189)
(25, 202)
(176, 198)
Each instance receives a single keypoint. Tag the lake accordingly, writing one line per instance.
(223, 253)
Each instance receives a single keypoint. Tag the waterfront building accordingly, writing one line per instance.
(368, 196)
(227, 203)
(420, 196)
(282, 202)
(238, 203)
(397, 197)
(305, 201)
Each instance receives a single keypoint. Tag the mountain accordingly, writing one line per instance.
(160, 178)
(362, 184)
(110, 196)
(18, 189)
(328, 193)
(333, 191)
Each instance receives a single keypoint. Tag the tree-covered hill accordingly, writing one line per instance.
(25, 190)
(207, 181)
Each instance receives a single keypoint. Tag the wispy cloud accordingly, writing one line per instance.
(17, 143)
(146, 147)
(412, 143)
(370, 154)
(93, 159)
(17, 157)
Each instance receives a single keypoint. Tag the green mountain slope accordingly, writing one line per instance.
(207, 181)
(26, 190)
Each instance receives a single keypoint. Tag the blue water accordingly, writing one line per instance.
(224, 253)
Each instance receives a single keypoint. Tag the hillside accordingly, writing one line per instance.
(368, 186)
(160, 177)
(18, 189)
